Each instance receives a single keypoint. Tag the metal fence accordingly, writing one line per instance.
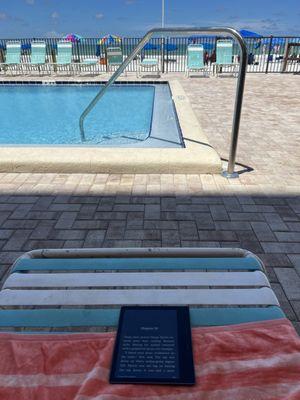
(265, 55)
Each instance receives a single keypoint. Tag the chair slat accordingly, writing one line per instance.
(262, 296)
(59, 318)
(107, 279)
(56, 264)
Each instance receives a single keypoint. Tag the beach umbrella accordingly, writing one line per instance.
(110, 39)
(26, 46)
(150, 46)
(249, 34)
(276, 41)
(73, 37)
(171, 47)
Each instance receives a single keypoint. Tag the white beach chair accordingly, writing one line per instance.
(224, 58)
(148, 65)
(195, 59)
(38, 58)
(63, 289)
(12, 62)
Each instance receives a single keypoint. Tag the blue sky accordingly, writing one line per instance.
(93, 18)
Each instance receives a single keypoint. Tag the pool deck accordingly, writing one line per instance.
(260, 211)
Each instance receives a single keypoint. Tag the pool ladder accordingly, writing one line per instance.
(224, 31)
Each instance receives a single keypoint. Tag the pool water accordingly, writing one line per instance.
(49, 114)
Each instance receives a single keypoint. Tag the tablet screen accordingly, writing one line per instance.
(153, 345)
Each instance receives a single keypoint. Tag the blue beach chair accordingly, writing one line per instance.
(224, 58)
(146, 65)
(64, 57)
(84, 289)
(38, 57)
(114, 58)
(195, 59)
(13, 58)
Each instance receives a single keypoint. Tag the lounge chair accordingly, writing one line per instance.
(13, 58)
(64, 57)
(195, 59)
(224, 58)
(148, 64)
(51, 279)
(38, 57)
(87, 64)
(114, 57)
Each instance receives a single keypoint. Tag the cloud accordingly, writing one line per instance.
(30, 2)
(99, 15)
(55, 15)
(3, 16)
(130, 2)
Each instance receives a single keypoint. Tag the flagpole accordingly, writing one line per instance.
(162, 39)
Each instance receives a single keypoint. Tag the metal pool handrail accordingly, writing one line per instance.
(189, 31)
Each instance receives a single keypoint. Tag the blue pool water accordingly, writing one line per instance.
(43, 115)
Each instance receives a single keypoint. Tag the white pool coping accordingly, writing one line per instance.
(196, 157)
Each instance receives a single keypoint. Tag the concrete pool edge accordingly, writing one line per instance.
(197, 156)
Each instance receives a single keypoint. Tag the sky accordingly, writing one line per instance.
(132, 18)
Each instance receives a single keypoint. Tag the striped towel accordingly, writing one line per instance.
(250, 361)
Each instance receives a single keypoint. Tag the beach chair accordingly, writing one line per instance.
(224, 58)
(195, 59)
(114, 58)
(85, 288)
(13, 58)
(38, 57)
(87, 64)
(64, 57)
(148, 65)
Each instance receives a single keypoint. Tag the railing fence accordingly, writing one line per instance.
(270, 54)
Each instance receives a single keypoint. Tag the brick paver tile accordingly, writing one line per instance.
(116, 230)
(66, 220)
(17, 240)
(295, 259)
(290, 281)
(219, 213)
(263, 231)
(188, 230)
(6, 233)
(296, 307)
(67, 234)
(284, 303)
(217, 235)
(288, 236)
(275, 222)
(152, 211)
(170, 238)
(275, 260)
(271, 247)
(94, 238)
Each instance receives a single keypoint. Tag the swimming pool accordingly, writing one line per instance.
(129, 115)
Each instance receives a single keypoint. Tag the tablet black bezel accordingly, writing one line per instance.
(185, 351)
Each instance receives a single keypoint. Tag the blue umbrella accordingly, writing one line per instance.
(26, 46)
(171, 47)
(150, 46)
(249, 34)
(276, 41)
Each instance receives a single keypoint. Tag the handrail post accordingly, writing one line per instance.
(189, 31)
